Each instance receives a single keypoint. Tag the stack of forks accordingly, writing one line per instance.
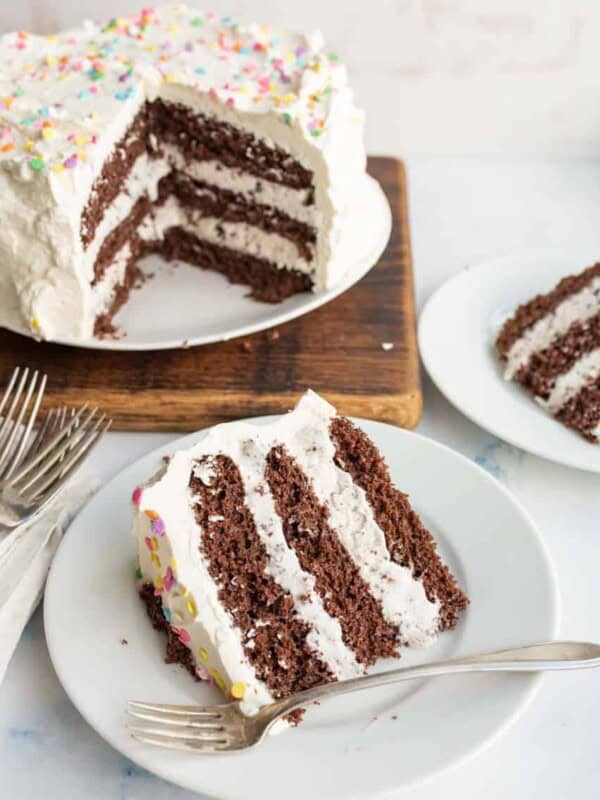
(35, 466)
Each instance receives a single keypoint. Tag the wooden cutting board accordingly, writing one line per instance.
(336, 350)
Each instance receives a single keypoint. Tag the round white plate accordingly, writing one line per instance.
(186, 306)
(457, 330)
(357, 746)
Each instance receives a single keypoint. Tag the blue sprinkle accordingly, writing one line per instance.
(167, 614)
(125, 94)
(83, 94)
(244, 51)
(200, 71)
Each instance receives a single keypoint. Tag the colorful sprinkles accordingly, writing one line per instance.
(101, 68)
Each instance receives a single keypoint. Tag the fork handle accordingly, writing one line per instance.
(530, 658)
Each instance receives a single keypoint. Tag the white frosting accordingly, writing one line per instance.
(583, 372)
(65, 101)
(304, 434)
(236, 235)
(579, 306)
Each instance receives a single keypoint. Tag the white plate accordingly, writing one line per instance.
(186, 306)
(352, 747)
(457, 330)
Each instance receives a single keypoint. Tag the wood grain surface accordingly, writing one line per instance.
(335, 350)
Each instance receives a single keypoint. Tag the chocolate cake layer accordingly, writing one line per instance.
(175, 651)
(267, 282)
(529, 313)
(273, 636)
(582, 412)
(113, 175)
(211, 201)
(409, 542)
(133, 279)
(344, 593)
(124, 232)
(203, 138)
(545, 366)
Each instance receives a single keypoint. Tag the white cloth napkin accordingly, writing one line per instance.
(25, 557)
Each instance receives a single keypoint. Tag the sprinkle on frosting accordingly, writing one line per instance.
(249, 67)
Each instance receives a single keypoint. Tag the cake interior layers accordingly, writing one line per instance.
(551, 346)
(188, 186)
(318, 562)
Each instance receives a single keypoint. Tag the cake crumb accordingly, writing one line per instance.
(124, 641)
(185, 344)
(246, 346)
(273, 335)
(387, 346)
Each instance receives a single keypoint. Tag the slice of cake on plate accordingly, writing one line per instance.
(236, 148)
(551, 346)
(277, 557)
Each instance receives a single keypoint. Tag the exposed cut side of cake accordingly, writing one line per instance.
(234, 148)
(551, 346)
(281, 556)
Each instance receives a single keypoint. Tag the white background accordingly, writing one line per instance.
(510, 81)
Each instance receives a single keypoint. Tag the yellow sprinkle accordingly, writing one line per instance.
(52, 38)
(158, 582)
(35, 324)
(58, 168)
(47, 133)
(170, 78)
(191, 607)
(316, 67)
(150, 47)
(154, 542)
(238, 690)
(202, 654)
(243, 90)
(81, 140)
(51, 61)
(29, 145)
(156, 560)
(290, 58)
(218, 679)
(173, 563)
(173, 28)
(184, 591)
(81, 155)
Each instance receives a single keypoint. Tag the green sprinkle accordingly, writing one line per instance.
(287, 118)
(333, 57)
(138, 574)
(316, 132)
(18, 92)
(197, 22)
(37, 164)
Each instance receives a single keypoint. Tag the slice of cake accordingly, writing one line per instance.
(237, 148)
(551, 346)
(277, 557)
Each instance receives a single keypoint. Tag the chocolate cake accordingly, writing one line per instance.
(551, 346)
(277, 557)
(236, 148)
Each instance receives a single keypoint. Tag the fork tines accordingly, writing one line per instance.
(18, 414)
(201, 730)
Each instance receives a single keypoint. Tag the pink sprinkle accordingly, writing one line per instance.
(213, 93)
(230, 102)
(169, 579)
(136, 497)
(71, 161)
(148, 542)
(202, 674)
(184, 636)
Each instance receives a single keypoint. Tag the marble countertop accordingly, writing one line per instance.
(461, 210)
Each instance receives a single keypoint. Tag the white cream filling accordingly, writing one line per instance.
(580, 306)
(240, 236)
(583, 372)
(103, 293)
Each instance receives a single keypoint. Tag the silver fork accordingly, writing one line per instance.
(32, 474)
(223, 728)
